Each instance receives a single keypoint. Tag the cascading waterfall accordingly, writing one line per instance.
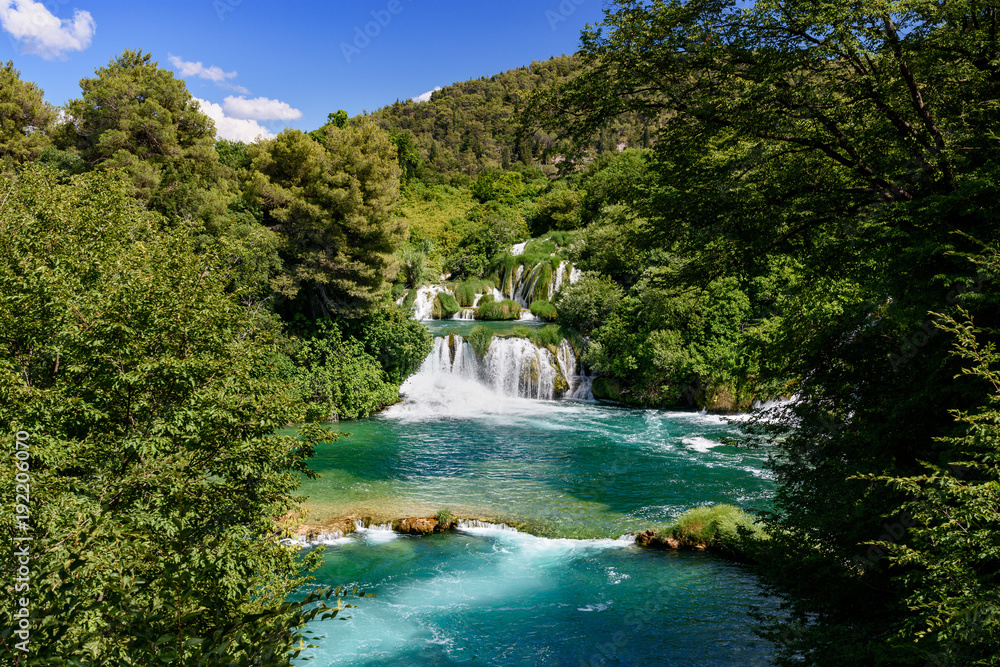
(423, 306)
(520, 284)
(579, 385)
(512, 368)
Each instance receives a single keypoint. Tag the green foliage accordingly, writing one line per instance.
(499, 310)
(557, 210)
(332, 202)
(338, 119)
(338, 378)
(24, 117)
(411, 297)
(151, 399)
(414, 267)
(614, 244)
(233, 154)
(138, 118)
(586, 304)
(480, 338)
(408, 153)
(503, 187)
(396, 342)
(550, 336)
(445, 517)
(467, 292)
(445, 306)
(487, 298)
(622, 178)
(542, 309)
(721, 526)
(951, 559)
(820, 156)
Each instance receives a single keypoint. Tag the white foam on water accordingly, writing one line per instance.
(376, 533)
(528, 543)
(423, 306)
(700, 444)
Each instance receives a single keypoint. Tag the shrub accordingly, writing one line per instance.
(550, 336)
(414, 268)
(445, 517)
(399, 344)
(487, 298)
(480, 339)
(725, 526)
(499, 310)
(467, 292)
(338, 379)
(585, 305)
(445, 306)
(544, 310)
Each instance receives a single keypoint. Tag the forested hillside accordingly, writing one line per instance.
(472, 125)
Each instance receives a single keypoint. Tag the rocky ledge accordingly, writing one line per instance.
(654, 540)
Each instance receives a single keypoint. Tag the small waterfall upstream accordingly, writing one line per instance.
(522, 284)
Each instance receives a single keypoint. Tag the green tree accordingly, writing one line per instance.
(332, 202)
(586, 304)
(137, 117)
(951, 561)
(25, 117)
(159, 488)
(850, 141)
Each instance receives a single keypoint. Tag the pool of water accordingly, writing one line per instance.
(564, 588)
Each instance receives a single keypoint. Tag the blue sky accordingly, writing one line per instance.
(266, 66)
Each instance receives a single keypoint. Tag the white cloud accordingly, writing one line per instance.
(42, 33)
(235, 88)
(234, 129)
(426, 97)
(213, 73)
(260, 108)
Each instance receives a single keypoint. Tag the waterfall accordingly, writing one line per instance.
(520, 285)
(579, 384)
(423, 306)
(513, 367)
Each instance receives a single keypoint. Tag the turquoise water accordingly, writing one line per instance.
(566, 587)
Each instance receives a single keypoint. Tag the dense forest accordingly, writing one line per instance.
(792, 202)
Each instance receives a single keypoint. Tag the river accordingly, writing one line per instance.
(567, 585)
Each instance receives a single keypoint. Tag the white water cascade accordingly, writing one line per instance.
(513, 367)
(519, 285)
(509, 379)
(579, 385)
